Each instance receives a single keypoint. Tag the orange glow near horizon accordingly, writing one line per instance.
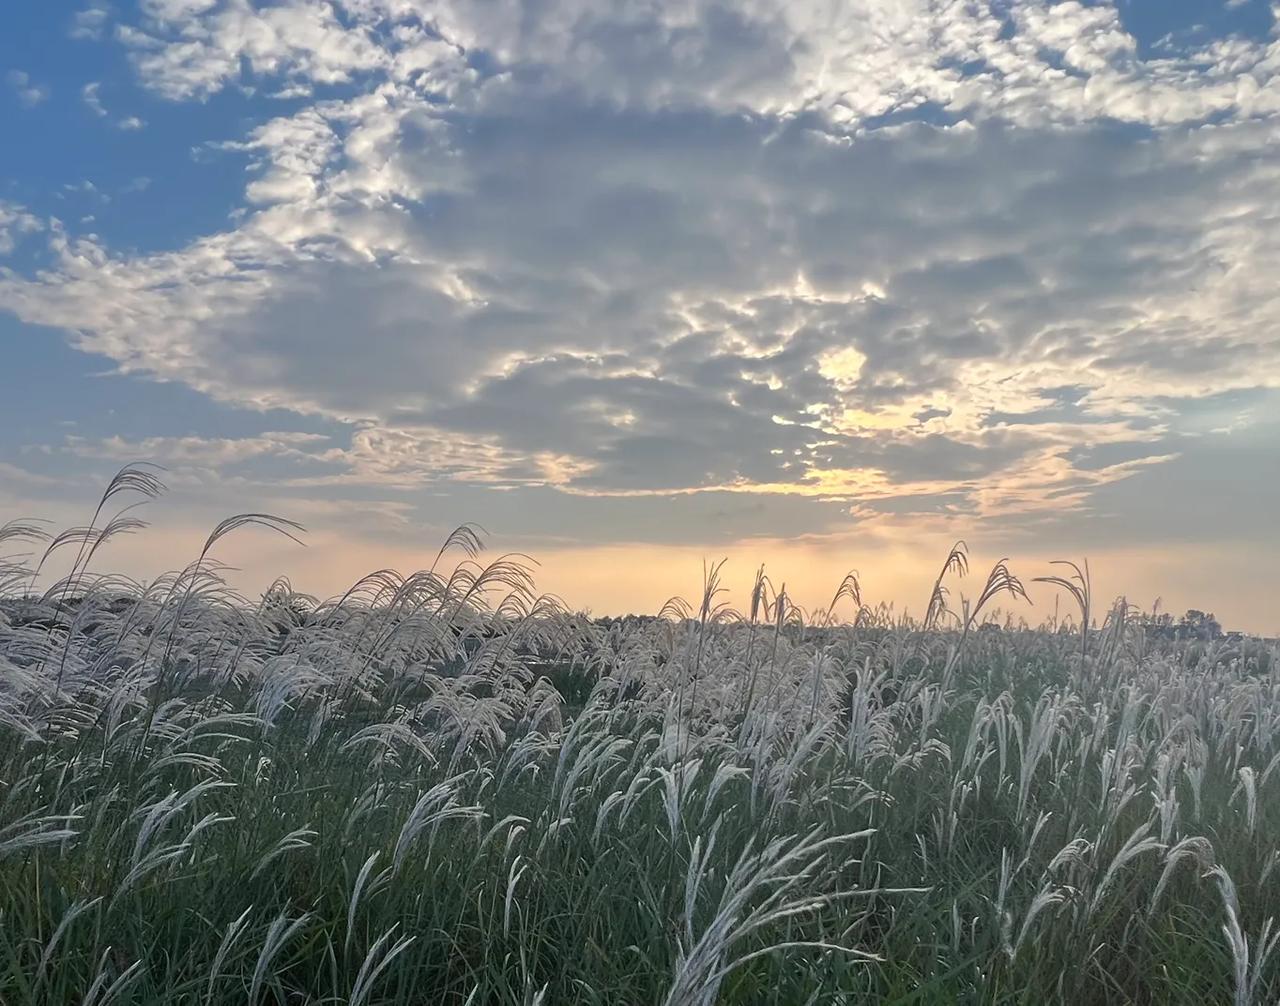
(639, 578)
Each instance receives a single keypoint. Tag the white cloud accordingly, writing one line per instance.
(15, 221)
(213, 452)
(28, 92)
(92, 97)
(91, 22)
(89, 94)
(197, 46)
(1034, 62)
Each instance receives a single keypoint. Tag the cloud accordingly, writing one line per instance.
(91, 22)
(28, 92)
(89, 94)
(15, 221)
(192, 48)
(892, 261)
(1034, 62)
(213, 452)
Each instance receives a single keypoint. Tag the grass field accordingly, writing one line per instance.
(443, 789)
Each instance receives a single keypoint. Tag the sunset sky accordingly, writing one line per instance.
(824, 285)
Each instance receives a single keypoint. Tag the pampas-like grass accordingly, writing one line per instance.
(444, 787)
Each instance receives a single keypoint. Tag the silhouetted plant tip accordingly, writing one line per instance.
(957, 562)
(1079, 587)
(850, 588)
(280, 525)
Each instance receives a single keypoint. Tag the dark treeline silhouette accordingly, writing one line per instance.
(1195, 624)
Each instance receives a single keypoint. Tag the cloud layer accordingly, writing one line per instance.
(959, 260)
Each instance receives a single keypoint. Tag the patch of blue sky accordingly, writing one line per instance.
(66, 393)
(1163, 26)
(141, 172)
(87, 170)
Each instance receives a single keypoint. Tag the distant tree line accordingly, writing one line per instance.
(1195, 624)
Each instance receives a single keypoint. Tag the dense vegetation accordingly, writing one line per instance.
(442, 789)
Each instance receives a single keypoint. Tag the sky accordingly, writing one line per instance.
(820, 284)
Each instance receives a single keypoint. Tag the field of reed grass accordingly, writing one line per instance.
(443, 788)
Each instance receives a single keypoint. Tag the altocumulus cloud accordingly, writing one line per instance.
(904, 257)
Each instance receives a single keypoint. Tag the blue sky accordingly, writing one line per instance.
(818, 284)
